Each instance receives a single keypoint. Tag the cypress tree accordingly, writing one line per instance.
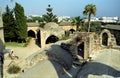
(20, 20)
(49, 16)
(9, 25)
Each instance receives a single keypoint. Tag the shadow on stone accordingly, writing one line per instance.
(1, 58)
(99, 69)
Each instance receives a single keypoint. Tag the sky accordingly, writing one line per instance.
(109, 8)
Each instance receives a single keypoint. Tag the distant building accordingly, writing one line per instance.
(30, 16)
(92, 19)
(104, 19)
(63, 18)
(118, 20)
(109, 19)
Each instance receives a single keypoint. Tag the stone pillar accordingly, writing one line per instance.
(1, 45)
(1, 32)
(86, 48)
(43, 35)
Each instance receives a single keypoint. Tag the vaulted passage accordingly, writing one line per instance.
(105, 39)
(52, 39)
(81, 49)
(71, 31)
(31, 33)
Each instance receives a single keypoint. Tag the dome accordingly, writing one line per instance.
(51, 25)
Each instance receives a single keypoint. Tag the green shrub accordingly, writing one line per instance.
(27, 41)
(13, 69)
(64, 37)
(16, 44)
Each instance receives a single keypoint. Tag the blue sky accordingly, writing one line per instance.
(66, 7)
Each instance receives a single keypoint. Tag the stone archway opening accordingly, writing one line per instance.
(81, 49)
(105, 39)
(31, 33)
(71, 31)
(52, 39)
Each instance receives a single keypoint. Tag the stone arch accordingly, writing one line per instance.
(51, 39)
(67, 33)
(31, 33)
(51, 29)
(105, 39)
(81, 49)
(110, 38)
(71, 31)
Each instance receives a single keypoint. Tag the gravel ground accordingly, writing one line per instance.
(22, 53)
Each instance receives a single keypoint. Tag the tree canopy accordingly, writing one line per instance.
(77, 21)
(9, 25)
(14, 21)
(49, 16)
(89, 10)
(20, 21)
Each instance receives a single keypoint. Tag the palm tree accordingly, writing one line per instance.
(89, 10)
(77, 21)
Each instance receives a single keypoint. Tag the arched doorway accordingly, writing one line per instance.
(105, 39)
(52, 39)
(67, 33)
(71, 31)
(31, 33)
(81, 49)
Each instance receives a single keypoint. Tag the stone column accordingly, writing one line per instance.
(86, 48)
(1, 32)
(1, 45)
(43, 35)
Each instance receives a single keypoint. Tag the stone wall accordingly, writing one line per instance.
(54, 53)
(1, 44)
(1, 32)
(80, 38)
(111, 42)
(88, 40)
(67, 28)
(111, 39)
(50, 29)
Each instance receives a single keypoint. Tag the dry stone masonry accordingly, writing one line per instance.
(1, 45)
